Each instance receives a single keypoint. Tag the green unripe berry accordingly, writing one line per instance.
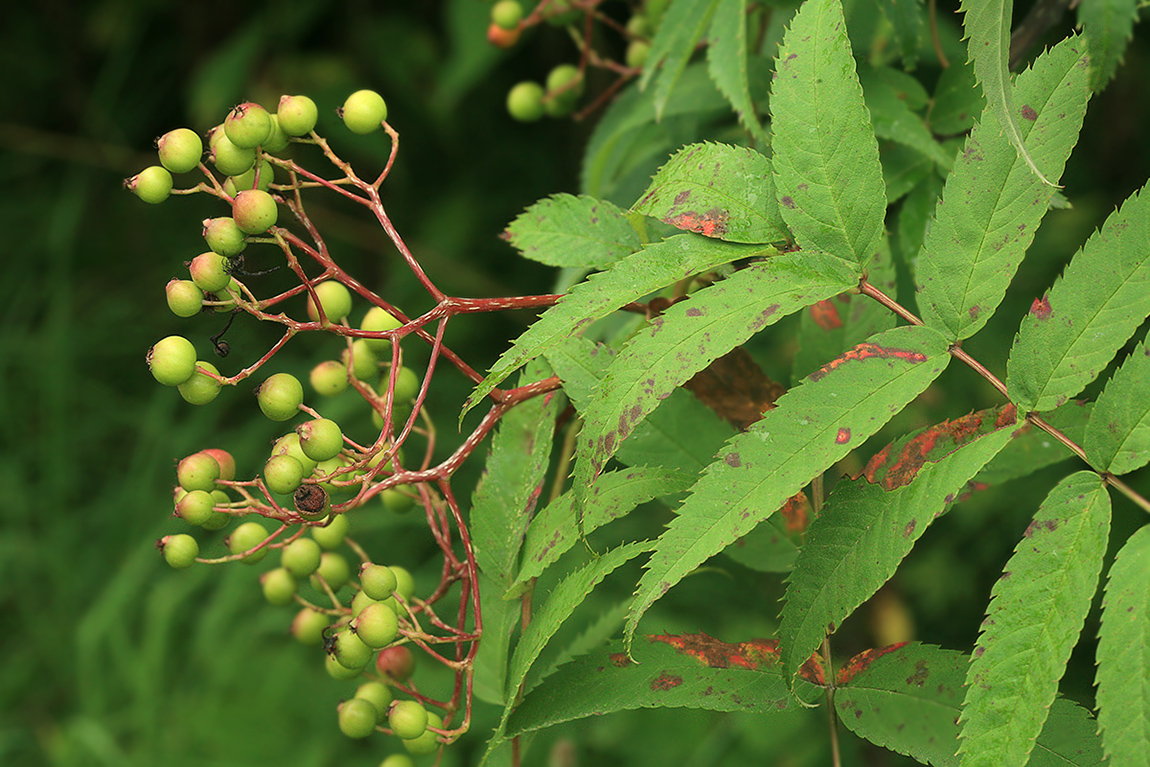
(195, 507)
(363, 112)
(334, 299)
(198, 471)
(396, 663)
(377, 581)
(325, 472)
(506, 14)
(357, 718)
(180, 551)
(377, 319)
(283, 474)
(209, 272)
(229, 159)
(360, 601)
(328, 378)
(562, 14)
(377, 694)
(331, 535)
(364, 363)
(218, 521)
(172, 360)
(301, 557)
(428, 742)
(254, 211)
(288, 444)
(308, 626)
(404, 583)
(397, 501)
(637, 53)
(280, 396)
(349, 650)
(407, 385)
(297, 115)
(398, 760)
(248, 536)
(639, 25)
(279, 586)
(334, 570)
(561, 76)
(377, 625)
(277, 140)
(152, 185)
(201, 388)
(180, 150)
(525, 102)
(336, 671)
(247, 179)
(407, 719)
(320, 439)
(224, 237)
(248, 125)
(184, 298)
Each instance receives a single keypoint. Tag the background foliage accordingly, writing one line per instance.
(112, 659)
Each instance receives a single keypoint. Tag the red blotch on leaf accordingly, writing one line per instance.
(862, 662)
(1040, 308)
(1028, 112)
(666, 681)
(843, 436)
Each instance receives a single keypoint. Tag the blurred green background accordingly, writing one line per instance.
(110, 658)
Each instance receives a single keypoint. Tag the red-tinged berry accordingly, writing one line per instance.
(248, 125)
(363, 112)
(225, 460)
(180, 551)
(229, 159)
(331, 535)
(308, 626)
(503, 38)
(201, 388)
(333, 570)
(301, 557)
(525, 102)
(184, 298)
(396, 663)
(172, 360)
(297, 115)
(198, 471)
(195, 507)
(328, 378)
(246, 537)
(357, 718)
(320, 439)
(280, 396)
(209, 271)
(180, 150)
(377, 694)
(283, 474)
(507, 13)
(254, 211)
(377, 625)
(279, 587)
(152, 185)
(377, 581)
(334, 299)
(224, 237)
(428, 742)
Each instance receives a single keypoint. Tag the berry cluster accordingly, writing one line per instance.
(367, 618)
(558, 96)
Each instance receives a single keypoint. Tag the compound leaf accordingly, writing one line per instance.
(1036, 613)
(1073, 331)
(565, 230)
(717, 190)
(813, 425)
(992, 203)
(1118, 435)
(692, 333)
(825, 156)
(1124, 656)
(870, 524)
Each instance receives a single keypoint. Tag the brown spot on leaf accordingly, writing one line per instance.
(735, 387)
(843, 436)
(1028, 112)
(619, 659)
(787, 201)
(666, 681)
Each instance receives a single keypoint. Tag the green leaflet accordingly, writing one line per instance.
(689, 336)
(681, 28)
(987, 24)
(593, 637)
(552, 531)
(1035, 616)
(957, 100)
(561, 602)
(717, 190)
(1124, 656)
(606, 681)
(811, 427)
(564, 230)
(992, 204)
(628, 279)
(1118, 436)
(1108, 26)
(682, 435)
(907, 698)
(906, 18)
(825, 156)
(894, 98)
(1072, 332)
(500, 620)
(854, 546)
(727, 62)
